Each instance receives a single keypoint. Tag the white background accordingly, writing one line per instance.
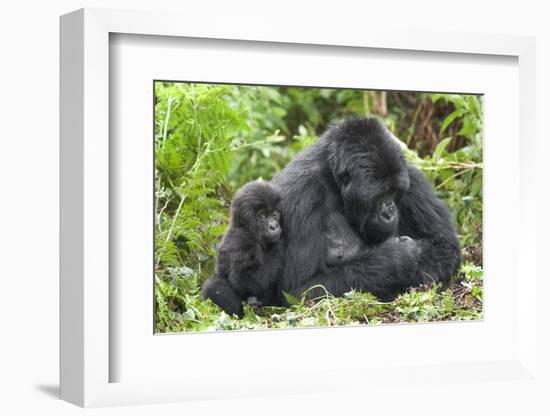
(29, 172)
(135, 61)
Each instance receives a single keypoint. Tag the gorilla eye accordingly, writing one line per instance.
(263, 215)
(345, 178)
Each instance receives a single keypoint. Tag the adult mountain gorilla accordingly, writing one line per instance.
(357, 169)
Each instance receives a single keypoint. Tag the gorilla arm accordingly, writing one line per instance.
(427, 220)
(303, 228)
(384, 270)
(223, 295)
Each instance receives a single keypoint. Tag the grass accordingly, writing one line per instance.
(461, 300)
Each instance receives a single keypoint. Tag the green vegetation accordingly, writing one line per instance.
(211, 139)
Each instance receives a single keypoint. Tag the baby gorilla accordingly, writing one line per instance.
(344, 245)
(250, 256)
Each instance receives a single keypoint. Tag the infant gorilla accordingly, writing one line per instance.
(250, 255)
(343, 244)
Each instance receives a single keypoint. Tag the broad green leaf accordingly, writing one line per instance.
(291, 299)
(442, 145)
(449, 119)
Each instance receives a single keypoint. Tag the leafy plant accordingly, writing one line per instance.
(211, 139)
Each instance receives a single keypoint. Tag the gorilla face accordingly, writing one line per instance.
(371, 174)
(270, 226)
(256, 208)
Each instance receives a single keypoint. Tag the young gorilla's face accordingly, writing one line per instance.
(269, 221)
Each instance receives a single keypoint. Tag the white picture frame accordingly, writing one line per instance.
(87, 355)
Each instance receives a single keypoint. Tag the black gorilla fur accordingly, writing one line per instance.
(343, 244)
(250, 256)
(357, 170)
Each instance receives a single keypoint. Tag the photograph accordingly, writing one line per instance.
(281, 207)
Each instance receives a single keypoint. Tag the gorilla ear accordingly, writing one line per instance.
(344, 177)
(235, 218)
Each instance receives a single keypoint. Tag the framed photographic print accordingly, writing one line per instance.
(214, 139)
(240, 208)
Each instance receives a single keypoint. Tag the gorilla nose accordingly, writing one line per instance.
(387, 210)
(273, 227)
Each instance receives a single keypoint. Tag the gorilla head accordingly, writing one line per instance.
(370, 173)
(256, 208)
